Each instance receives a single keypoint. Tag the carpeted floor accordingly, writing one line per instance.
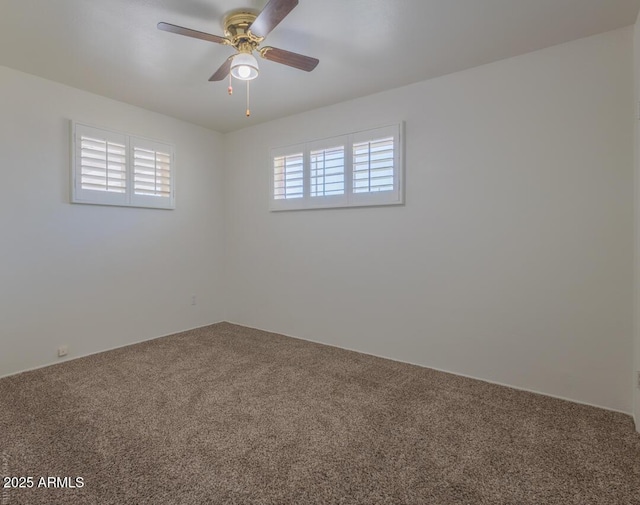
(231, 415)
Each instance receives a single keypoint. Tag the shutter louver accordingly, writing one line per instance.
(327, 171)
(102, 165)
(288, 176)
(151, 172)
(373, 166)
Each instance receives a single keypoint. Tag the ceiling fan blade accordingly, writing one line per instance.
(223, 71)
(274, 12)
(288, 58)
(168, 27)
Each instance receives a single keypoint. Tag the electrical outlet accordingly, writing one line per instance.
(638, 381)
(63, 350)
(193, 300)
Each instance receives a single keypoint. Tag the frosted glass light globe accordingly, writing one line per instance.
(244, 71)
(244, 67)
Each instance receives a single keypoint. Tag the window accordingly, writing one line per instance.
(327, 171)
(112, 168)
(373, 166)
(287, 176)
(357, 169)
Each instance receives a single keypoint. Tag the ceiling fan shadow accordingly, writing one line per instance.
(197, 9)
(305, 42)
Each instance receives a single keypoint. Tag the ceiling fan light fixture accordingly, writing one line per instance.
(245, 30)
(244, 67)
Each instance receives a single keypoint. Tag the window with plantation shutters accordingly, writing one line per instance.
(151, 172)
(152, 169)
(327, 171)
(288, 176)
(373, 164)
(357, 169)
(103, 165)
(111, 168)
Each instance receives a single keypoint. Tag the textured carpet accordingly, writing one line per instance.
(231, 415)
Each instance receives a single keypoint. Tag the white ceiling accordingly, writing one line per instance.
(112, 47)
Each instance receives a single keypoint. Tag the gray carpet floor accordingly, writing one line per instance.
(231, 415)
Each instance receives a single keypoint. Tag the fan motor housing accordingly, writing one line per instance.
(236, 29)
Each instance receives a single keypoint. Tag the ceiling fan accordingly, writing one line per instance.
(245, 30)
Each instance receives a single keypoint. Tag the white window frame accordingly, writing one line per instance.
(129, 198)
(349, 198)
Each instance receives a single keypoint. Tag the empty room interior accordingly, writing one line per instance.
(320, 252)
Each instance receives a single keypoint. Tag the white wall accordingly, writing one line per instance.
(99, 277)
(512, 259)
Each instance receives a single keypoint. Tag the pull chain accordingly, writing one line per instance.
(230, 88)
(248, 110)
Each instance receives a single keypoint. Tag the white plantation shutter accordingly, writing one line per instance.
(327, 171)
(100, 174)
(111, 168)
(288, 176)
(103, 165)
(376, 170)
(152, 173)
(373, 165)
